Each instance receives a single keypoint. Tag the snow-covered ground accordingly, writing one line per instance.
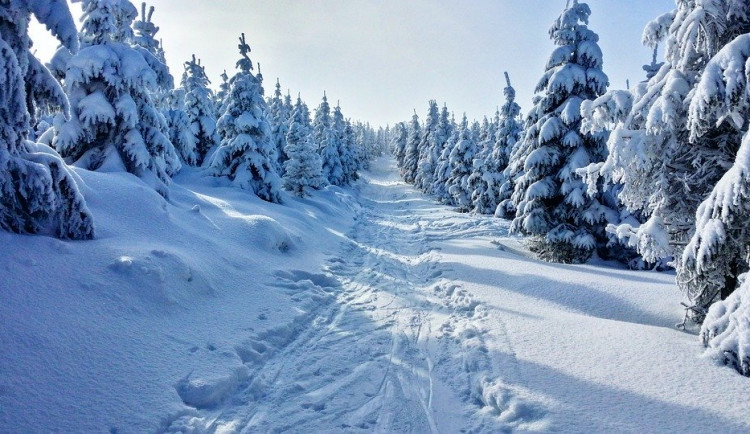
(369, 309)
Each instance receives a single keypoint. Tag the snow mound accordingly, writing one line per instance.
(159, 276)
(506, 403)
(210, 389)
(268, 234)
(726, 330)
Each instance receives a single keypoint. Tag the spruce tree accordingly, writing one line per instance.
(303, 169)
(246, 152)
(411, 156)
(220, 98)
(333, 170)
(717, 257)
(178, 124)
(114, 123)
(38, 193)
(664, 159)
(348, 152)
(489, 193)
(279, 118)
(398, 144)
(564, 222)
(444, 142)
(719, 250)
(462, 163)
(200, 109)
(509, 134)
(424, 176)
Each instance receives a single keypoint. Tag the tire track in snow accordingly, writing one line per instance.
(398, 348)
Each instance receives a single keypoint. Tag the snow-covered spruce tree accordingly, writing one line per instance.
(424, 176)
(200, 110)
(279, 118)
(565, 224)
(332, 155)
(303, 169)
(246, 153)
(516, 161)
(411, 156)
(324, 139)
(114, 124)
(508, 135)
(476, 183)
(152, 51)
(38, 193)
(462, 163)
(221, 97)
(717, 255)
(444, 141)
(488, 193)
(348, 151)
(398, 144)
(719, 250)
(665, 171)
(178, 123)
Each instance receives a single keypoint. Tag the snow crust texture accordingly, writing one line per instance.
(366, 309)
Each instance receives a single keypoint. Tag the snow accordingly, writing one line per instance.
(370, 308)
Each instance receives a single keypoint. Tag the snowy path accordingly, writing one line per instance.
(433, 321)
(400, 349)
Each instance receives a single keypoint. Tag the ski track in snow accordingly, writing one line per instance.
(387, 333)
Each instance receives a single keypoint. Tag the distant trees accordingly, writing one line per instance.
(303, 169)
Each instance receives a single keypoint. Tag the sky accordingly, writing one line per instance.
(382, 59)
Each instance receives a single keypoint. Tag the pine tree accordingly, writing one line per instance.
(200, 110)
(348, 152)
(303, 168)
(246, 151)
(719, 250)
(114, 124)
(564, 222)
(38, 193)
(279, 118)
(444, 142)
(424, 176)
(411, 156)
(461, 163)
(508, 136)
(178, 124)
(717, 255)
(489, 193)
(665, 160)
(399, 143)
(220, 98)
(150, 48)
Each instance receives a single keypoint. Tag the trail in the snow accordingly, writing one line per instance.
(392, 346)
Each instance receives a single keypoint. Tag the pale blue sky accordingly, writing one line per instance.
(383, 58)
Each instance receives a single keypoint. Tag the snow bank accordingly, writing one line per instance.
(165, 312)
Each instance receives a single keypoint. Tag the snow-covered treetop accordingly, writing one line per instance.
(145, 33)
(107, 21)
(245, 64)
(653, 68)
(570, 27)
(194, 75)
